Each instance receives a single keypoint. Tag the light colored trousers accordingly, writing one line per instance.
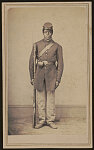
(46, 105)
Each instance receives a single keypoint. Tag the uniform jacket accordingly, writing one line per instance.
(51, 73)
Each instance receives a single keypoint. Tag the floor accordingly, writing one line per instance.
(66, 126)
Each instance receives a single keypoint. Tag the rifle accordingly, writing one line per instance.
(34, 94)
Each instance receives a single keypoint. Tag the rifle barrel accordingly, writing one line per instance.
(34, 97)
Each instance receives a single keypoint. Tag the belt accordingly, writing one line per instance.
(49, 63)
(45, 63)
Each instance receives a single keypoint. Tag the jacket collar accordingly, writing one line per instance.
(47, 42)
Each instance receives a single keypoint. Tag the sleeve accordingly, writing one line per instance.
(31, 64)
(60, 63)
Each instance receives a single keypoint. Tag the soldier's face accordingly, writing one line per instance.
(47, 34)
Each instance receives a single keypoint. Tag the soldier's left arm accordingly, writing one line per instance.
(60, 63)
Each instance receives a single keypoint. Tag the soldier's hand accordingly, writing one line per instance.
(56, 84)
(32, 81)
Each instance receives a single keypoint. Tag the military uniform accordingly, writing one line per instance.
(46, 76)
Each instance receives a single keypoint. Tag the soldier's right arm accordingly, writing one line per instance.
(31, 64)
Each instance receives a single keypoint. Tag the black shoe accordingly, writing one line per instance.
(52, 125)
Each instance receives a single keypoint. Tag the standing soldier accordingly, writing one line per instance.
(48, 75)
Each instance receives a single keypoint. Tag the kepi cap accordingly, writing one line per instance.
(48, 26)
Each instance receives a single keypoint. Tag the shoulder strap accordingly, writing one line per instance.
(43, 50)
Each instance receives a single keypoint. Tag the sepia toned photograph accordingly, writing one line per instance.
(47, 74)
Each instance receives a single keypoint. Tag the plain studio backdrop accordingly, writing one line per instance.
(70, 28)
